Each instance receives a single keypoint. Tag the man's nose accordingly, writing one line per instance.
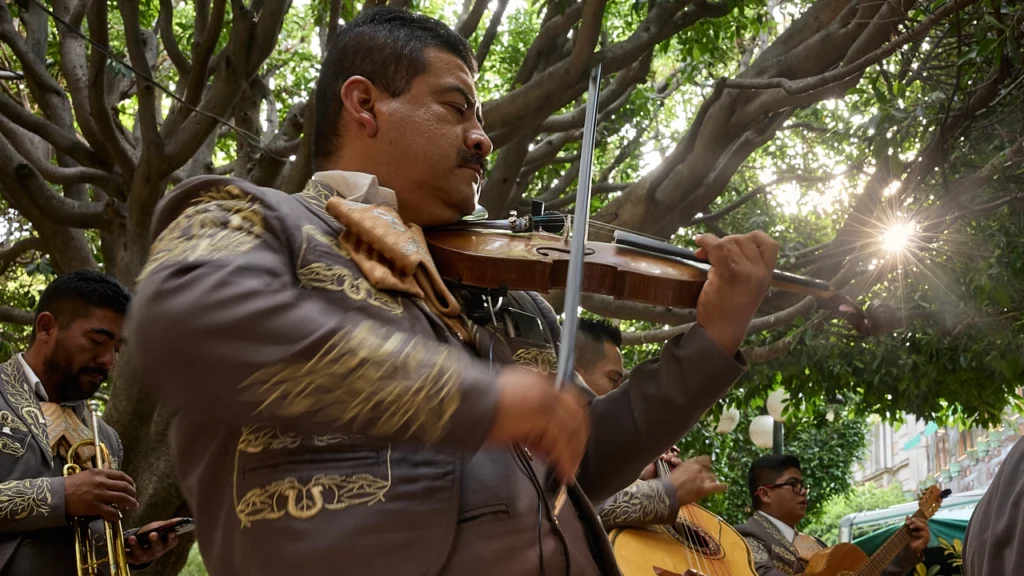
(106, 359)
(478, 142)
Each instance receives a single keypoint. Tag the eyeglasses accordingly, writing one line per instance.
(798, 486)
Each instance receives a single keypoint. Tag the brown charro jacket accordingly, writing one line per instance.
(322, 426)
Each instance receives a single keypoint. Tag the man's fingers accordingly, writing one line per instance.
(108, 513)
(704, 461)
(768, 248)
(118, 476)
(120, 499)
(705, 242)
(120, 486)
(715, 487)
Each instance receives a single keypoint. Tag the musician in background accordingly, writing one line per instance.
(779, 497)
(994, 542)
(650, 501)
(76, 336)
(334, 401)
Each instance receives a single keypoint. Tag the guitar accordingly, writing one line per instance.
(698, 544)
(848, 560)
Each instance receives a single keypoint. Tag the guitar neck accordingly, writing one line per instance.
(885, 554)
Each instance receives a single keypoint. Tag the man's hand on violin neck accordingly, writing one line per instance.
(741, 270)
(553, 424)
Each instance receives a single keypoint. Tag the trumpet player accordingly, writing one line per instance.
(75, 340)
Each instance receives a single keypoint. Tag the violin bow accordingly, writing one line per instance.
(577, 247)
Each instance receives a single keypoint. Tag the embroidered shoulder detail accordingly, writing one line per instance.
(319, 273)
(220, 223)
(757, 549)
(539, 359)
(21, 499)
(22, 399)
(317, 194)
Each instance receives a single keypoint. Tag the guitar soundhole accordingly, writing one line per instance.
(695, 538)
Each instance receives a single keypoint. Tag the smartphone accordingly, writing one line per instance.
(180, 527)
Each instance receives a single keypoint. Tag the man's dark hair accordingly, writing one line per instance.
(590, 339)
(766, 471)
(386, 46)
(76, 294)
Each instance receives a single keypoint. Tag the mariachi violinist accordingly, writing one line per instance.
(336, 404)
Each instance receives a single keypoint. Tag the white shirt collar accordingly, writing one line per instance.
(358, 187)
(37, 385)
(787, 531)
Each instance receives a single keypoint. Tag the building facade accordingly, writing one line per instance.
(920, 454)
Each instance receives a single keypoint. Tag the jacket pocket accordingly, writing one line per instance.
(485, 513)
(14, 441)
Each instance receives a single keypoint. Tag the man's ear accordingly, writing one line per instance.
(46, 326)
(358, 99)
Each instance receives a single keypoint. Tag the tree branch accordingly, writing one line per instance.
(15, 251)
(110, 136)
(756, 325)
(492, 31)
(16, 316)
(202, 50)
(144, 89)
(52, 173)
(166, 25)
(469, 21)
(808, 85)
(56, 136)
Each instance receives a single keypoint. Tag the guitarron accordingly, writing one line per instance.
(698, 544)
(848, 560)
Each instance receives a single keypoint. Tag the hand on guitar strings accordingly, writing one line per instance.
(920, 535)
(693, 480)
(670, 458)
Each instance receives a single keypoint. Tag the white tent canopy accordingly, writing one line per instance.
(955, 507)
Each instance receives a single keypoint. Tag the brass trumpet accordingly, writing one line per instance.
(85, 547)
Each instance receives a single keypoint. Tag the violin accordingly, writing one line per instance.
(529, 253)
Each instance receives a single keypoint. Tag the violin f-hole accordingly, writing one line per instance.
(545, 250)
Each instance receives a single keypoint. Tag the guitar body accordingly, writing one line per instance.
(699, 544)
(840, 560)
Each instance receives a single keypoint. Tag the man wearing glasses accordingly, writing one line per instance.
(779, 497)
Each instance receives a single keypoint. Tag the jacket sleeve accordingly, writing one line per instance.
(225, 331)
(31, 504)
(663, 399)
(642, 503)
(762, 558)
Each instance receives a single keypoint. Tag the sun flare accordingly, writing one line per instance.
(896, 238)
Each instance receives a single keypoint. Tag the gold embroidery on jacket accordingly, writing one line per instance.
(367, 377)
(774, 531)
(12, 447)
(758, 550)
(20, 499)
(331, 492)
(335, 278)
(328, 439)
(222, 222)
(8, 444)
(537, 359)
(256, 439)
(317, 194)
(641, 503)
(23, 400)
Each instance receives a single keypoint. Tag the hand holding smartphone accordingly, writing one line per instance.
(182, 526)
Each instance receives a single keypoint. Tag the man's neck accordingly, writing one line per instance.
(777, 519)
(34, 358)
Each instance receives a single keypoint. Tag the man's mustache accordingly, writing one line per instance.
(93, 371)
(473, 159)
